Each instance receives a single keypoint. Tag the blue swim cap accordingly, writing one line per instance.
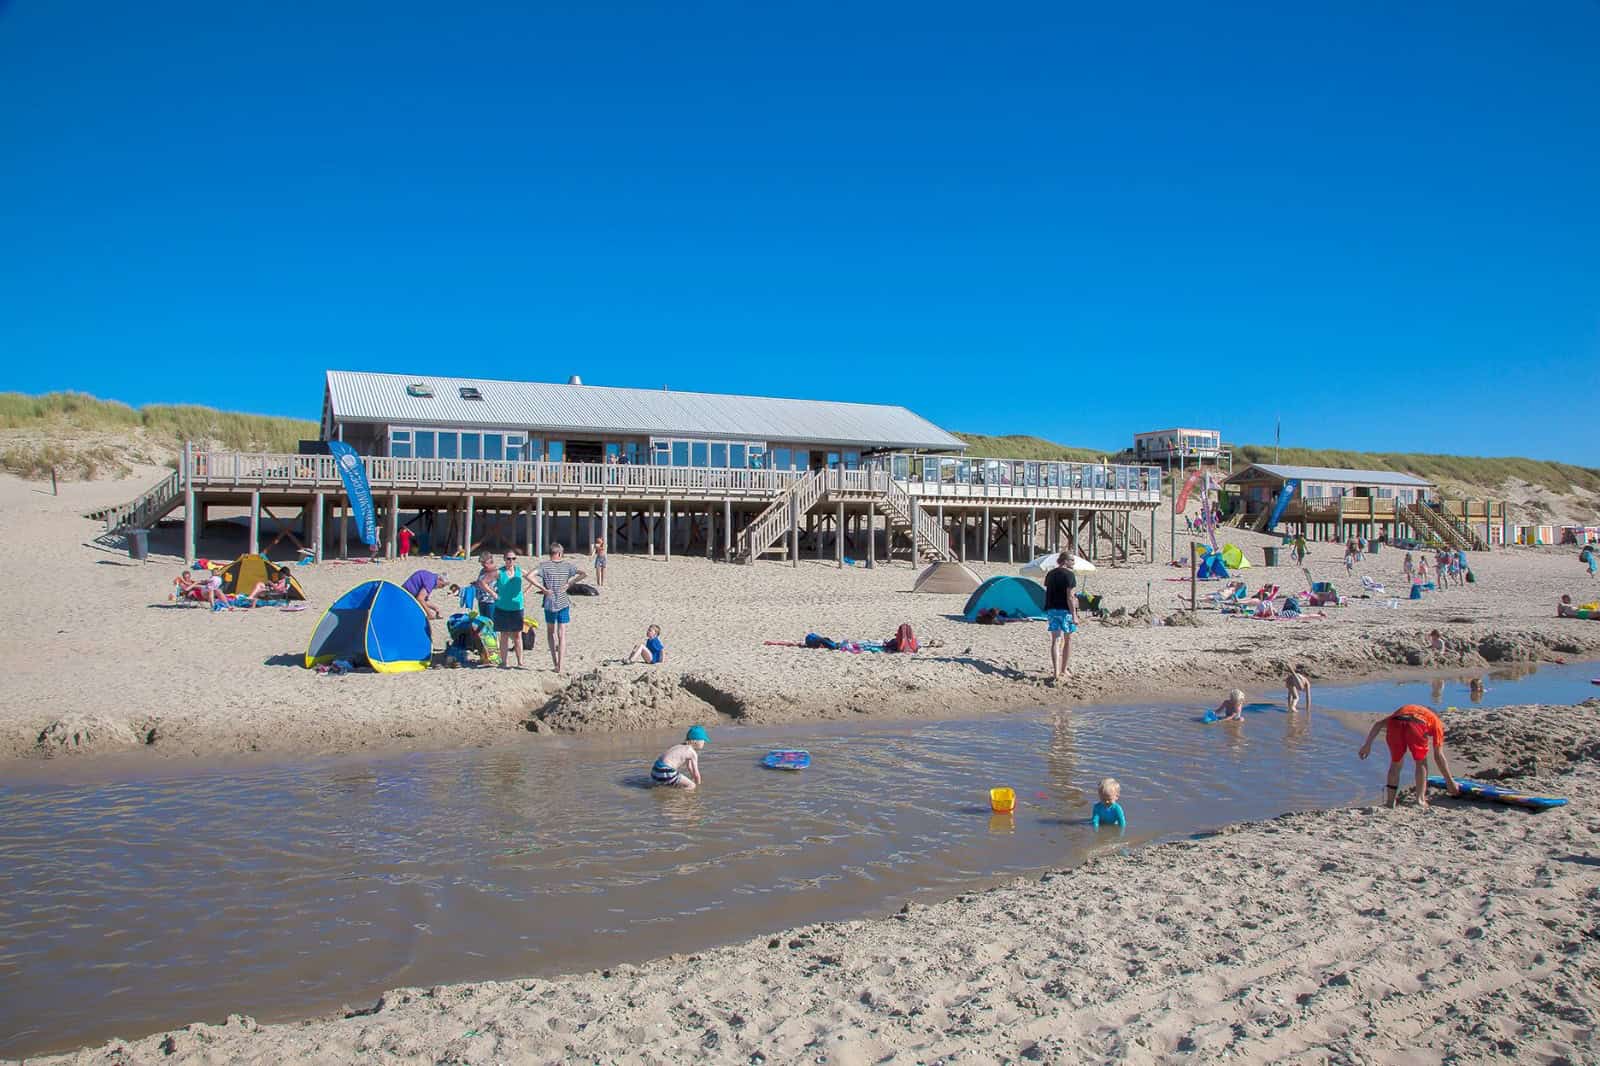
(697, 732)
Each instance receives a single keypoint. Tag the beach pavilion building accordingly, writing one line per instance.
(1329, 503)
(467, 463)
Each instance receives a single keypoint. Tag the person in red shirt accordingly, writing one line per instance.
(406, 537)
(1412, 728)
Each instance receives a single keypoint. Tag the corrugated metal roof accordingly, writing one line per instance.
(359, 396)
(1330, 473)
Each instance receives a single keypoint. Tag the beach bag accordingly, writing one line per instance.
(904, 640)
(1471, 578)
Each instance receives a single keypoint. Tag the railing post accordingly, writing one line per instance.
(191, 528)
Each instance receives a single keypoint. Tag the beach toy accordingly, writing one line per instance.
(1494, 794)
(1210, 716)
(1002, 800)
(787, 760)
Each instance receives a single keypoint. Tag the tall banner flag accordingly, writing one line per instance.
(1278, 508)
(353, 472)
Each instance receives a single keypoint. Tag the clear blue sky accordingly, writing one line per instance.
(1052, 219)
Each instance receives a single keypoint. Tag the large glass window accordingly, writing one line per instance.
(697, 452)
(447, 445)
(472, 445)
(758, 458)
(400, 444)
(680, 453)
(736, 456)
(852, 460)
(513, 448)
(661, 453)
(613, 451)
(782, 458)
(719, 455)
(425, 438)
(556, 450)
(833, 460)
(802, 459)
(494, 445)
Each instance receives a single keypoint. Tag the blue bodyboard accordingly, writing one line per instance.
(787, 760)
(1493, 794)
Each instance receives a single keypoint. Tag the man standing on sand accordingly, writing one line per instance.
(554, 576)
(1061, 608)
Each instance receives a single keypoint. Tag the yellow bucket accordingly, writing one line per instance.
(1002, 800)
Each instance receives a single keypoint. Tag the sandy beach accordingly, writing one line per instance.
(99, 662)
(1462, 934)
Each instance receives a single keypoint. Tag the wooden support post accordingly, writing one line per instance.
(987, 529)
(392, 520)
(527, 544)
(1011, 538)
(872, 537)
(605, 520)
(538, 528)
(1150, 545)
(255, 522)
(650, 532)
(794, 531)
(727, 529)
(838, 539)
(1033, 533)
(317, 541)
(667, 541)
(467, 546)
(344, 531)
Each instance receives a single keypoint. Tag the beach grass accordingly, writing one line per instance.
(1022, 446)
(1483, 472)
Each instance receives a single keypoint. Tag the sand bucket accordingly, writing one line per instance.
(1002, 800)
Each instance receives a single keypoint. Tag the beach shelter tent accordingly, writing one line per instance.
(947, 576)
(1211, 567)
(378, 624)
(242, 575)
(1233, 557)
(1014, 597)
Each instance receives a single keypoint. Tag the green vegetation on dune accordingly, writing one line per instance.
(1466, 470)
(1020, 446)
(68, 422)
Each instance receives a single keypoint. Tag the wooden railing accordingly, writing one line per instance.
(979, 478)
(147, 509)
(925, 529)
(770, 524)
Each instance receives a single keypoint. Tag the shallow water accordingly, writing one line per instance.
(142, 901)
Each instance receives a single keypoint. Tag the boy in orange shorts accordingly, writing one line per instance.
(1412, 728)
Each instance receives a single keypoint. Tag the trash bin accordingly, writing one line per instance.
(139, 544)
(1271, 556)
(1372, 547)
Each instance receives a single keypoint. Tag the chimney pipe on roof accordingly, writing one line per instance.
(574, 380)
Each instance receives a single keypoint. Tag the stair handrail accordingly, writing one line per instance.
(135, 511)
(802, 493)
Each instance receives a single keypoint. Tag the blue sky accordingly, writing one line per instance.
(1380, 222)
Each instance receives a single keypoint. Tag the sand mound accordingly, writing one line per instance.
(78, 734)
(1522, 743)
(626, 697)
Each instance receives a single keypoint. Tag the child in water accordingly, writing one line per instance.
(1108, 811)
(1297, 684)
(1232, 708)
(650, 650)
(679, 765)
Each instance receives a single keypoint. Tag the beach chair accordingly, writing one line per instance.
(1374, 587)
(1323, 594)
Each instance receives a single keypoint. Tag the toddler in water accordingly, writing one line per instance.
(1108, 811)
(679, 765)
(1297, 684)
(651, 650)
(1232, 708)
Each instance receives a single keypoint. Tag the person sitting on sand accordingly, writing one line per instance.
(1297, 684)
(421, 584)
(650, 650)
(207, 589)
(1436, 640)
(679, 765)
(1108, 811)
(1232, 708)
(1411, 728)
(276, 589)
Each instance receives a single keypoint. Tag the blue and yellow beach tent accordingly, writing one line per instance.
(377, 624)
(1014, 597)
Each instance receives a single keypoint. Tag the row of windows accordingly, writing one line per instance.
(738, 455)
(450, 444)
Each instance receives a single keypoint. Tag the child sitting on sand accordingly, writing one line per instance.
(651, 650)
(1411, 728)
(1232, 708)
(1108, 811)
(679, 765)
(1298, 683)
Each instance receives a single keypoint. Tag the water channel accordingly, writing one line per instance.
(135, 900)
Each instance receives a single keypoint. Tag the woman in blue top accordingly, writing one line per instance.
(509, 581)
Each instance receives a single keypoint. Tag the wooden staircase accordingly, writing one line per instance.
(760, 535)
(145, 510)
(930, 542)
(1105, 525)
(1451, 533)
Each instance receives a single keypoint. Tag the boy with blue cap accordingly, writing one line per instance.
(679, 765)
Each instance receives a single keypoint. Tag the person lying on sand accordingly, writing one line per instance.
(1411, 728)
(277, 589)
(679, 765)
(1295, 685)
(650, 650)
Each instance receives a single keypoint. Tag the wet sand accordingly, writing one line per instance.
(1298, 939)
(98, 662)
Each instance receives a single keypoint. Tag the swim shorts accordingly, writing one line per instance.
(1405, 734)
(662, 774)
(561, 617)
(1061, 622)
(507, 621)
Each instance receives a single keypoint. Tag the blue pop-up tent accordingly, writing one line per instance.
(1014, 597)
(376, 624)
